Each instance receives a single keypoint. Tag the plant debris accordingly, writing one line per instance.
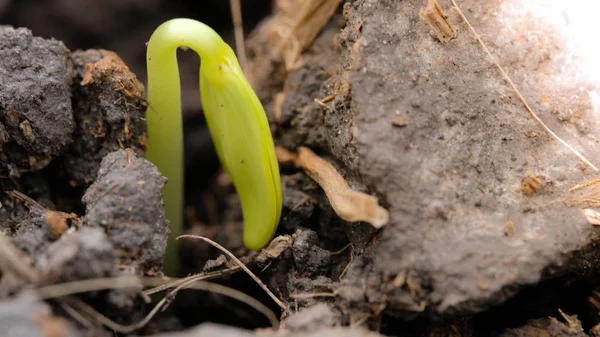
(276, 45)
(347, 203)
(586, 195)
(435, 17)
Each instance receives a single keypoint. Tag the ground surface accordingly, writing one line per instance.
(484, 237)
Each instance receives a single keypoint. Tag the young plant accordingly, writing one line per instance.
(236, 121)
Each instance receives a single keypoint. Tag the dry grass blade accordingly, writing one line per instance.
(585, 195)
(30, 203)
(77, 287)
(514, 87)
(238, 30)
(234, 258)
(12, 260)
(584, 185)
(83, 307)
(162, 285)
(312, 295)
(191, 284)
(347, 203)
(77, 316)
(232, 293)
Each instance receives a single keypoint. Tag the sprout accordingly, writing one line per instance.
(235, 118)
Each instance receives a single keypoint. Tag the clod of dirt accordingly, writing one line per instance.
(310, 259)
(447, 178)
(297, 208)
(36, 119)
(23, 317)
(108, 108)
(126, 200)
(84, 254)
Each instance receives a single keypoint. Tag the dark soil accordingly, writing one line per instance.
(480, 241)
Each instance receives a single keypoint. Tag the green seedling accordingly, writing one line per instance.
(236, 121)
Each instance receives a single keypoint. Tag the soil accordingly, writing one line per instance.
(484, 237)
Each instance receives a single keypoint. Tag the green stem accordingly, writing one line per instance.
(165, 128)
(236, 120)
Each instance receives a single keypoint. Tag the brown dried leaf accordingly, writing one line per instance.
(347, 203)
(282, 37)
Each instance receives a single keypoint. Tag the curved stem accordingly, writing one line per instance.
(235, 118)
(165, 127)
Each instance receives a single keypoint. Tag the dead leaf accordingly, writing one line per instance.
(281, 38)
(347, 203)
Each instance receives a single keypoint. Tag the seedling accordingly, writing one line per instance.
(236, 121)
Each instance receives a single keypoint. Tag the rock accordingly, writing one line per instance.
(126, 201)
(36, 119)
(452, 178)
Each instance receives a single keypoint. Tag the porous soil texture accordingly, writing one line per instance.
(491, 227)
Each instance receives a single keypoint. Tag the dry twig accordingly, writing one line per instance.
(312, 295)
(347, 203)
(586, 195)
(160, 285)
(234, 258)
(84, 286)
